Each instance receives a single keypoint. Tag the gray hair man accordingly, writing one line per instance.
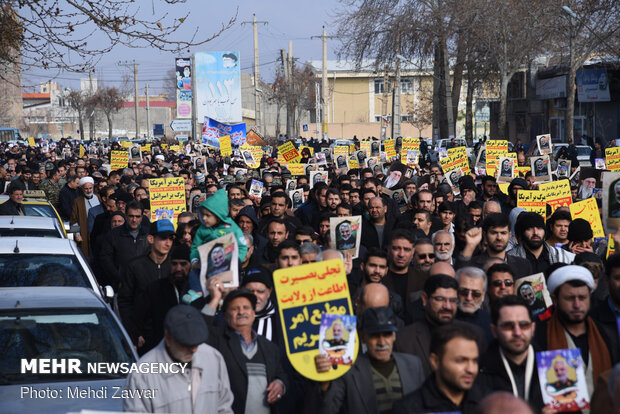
(472, 290)
(443, 243)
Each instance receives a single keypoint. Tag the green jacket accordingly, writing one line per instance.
(218, 205)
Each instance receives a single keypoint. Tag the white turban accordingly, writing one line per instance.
(85, 180)
(159, 157)
(566, 274)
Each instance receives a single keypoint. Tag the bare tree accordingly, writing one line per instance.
(109, 100)
(58, 35)
(421, 112)
(77, 103)
(277, 94)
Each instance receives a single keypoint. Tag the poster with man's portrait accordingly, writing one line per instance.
(372, 162)
(291, 184)
(195, 202)
(506, 170)
(545, 147)
(399, 197)
(256, 189)
(346, 234)
(481, 158)
(248, 157)
(135, 153)
(412, 158)
(164, 214)
(395, 177)
(317, 177)
(342, 162)
(337, 338)
(611, 201)
(561, 374)
(453, 177)
(199, 163)
(563, 168)
(375, 148)
(240, 174)
(297, 197)
(220, 257)
(541, 169)
(320, 158)
(533, 290)
(361, 158)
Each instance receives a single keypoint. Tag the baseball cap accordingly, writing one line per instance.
(258, 274)
(162, 228)
(186, 325)
(237, 293)
(381, 319)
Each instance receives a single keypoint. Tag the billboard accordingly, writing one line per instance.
(592, 85)
(218, 86)
(183, 69)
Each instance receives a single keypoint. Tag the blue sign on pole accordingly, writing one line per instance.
(158, 129)
(305, 127)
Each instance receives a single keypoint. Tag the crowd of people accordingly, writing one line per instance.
(442, 324)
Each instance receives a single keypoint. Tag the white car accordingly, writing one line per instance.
(59, 323)
(31, 226)
(41, 261)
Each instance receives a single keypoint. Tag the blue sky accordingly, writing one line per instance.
(287, 20)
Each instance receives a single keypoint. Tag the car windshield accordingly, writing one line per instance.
(17, 270)
(29, 233)
(41, 210)
(584, 151)
(90, 335)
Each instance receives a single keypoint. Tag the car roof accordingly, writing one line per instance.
(36, 245)
(38, 297)
(28, 222)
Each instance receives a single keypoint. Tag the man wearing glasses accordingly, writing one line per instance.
(510, 362)
(501, 281)
(440, 302)
(472, 290)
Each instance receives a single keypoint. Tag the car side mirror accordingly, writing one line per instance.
(75, 228)
(108, 292)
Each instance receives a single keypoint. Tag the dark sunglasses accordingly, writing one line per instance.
(506, 282)
(476, 294)
(426, 256)
(510, 326)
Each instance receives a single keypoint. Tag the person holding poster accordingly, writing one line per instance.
(541, 169)
(571, 326)
(345, 234)
(357, 391)
(562, 380)
(544, 144)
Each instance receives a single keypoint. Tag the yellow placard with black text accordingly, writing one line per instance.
(588, 210)
(304, 293)
(167, 197)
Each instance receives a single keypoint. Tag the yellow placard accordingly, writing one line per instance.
(351, 148)
(409, 144)
(297, 169)
(532, 200)
(31, 142)
(588, 210)
(225, 146)
(164, 146)
(612, 158)
(82, 151)
(126, 144)
(365, 146)
(503, 187)
(557, 194)
(118, 160)
(341, 150)
(611, 246)
(257, 154)
(390, 148)
(289, 152)
(353, 162)
(459, 155)
(167, 196)
(146, 148)
(304, 293)
(495, 148)
(521, 171)
(175, 148)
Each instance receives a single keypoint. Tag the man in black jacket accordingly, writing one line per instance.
(376, 231)
(122, 244)
(13, 206)
(161, 295)
(510, 361)
(257, 378)
(451, 387)
(143, 270)
(68, 194)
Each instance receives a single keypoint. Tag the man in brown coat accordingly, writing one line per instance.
(79, 211)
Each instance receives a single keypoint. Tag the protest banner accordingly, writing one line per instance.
(316, 177)
(135, 153)
(533, 290)
(506, 169)
(503, 187)
(612, 158)
(390, 148)
(297, 197)
(557, 194)
(126, 144)
(82, 151)
(304, 293)
(365, 146)
(545, 147)
(611, 201)
(248, 156)
(532, 200)
(31, 142)
(146, 148)
(253, 138)
(521, 171)
(289, 152)
(235, 131)
(588, 210)
(225, 146)
(220, 257)
(493, 150)
(337, 338)
(409, 144)
(562, 380)
(453, 177)
(118, 160)
(541, 168)
(175, 148)
(341, 156)
(611, 249)
(459, 155)
(353, 163)
(341, 150)
(167, 197)
(296, 169)
(256, 189)
(346, 234)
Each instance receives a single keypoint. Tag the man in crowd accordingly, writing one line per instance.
(378, 378)
(377, 229)
(80, 209)
(13, 206)
(67, 196)
(607, 312)
(202, 387)
(443, 243)
(501, 281)
(557, 228)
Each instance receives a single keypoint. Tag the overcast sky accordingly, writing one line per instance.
(287, 20)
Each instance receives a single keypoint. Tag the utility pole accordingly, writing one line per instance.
(324, 87)
(91, 122)
(290, 115)
(257, 104)
(384, 106)
(148, 123)
(396, 97)
(135, 86)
